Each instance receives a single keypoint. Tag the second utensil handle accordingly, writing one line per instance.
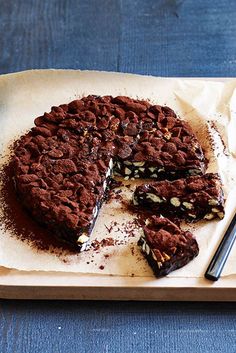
(218, 261)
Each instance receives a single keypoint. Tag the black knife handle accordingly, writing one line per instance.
(218, 261)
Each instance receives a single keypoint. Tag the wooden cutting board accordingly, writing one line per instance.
(51, 285)
(16, 284)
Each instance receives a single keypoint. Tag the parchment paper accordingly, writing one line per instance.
(208, 105)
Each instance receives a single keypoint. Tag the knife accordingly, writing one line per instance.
(218, 261)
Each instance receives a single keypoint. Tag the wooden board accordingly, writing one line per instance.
(51, 285)
(57, 285)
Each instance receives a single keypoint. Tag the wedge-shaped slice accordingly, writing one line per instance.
(191, 198)
(166, 247)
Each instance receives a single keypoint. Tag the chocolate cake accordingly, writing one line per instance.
(191, 198)
(166, 247)
(64, 163)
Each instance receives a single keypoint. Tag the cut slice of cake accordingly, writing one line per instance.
(192, 198)
(165, 246)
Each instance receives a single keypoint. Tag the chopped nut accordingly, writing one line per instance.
(153, 255)
(127, 171)
(188, 205)
(152, 169)
(154, 176)
(209, 216)
(141, 169)
(191, 215)
(220, 215)
(108, 173)
(167, 135)
(213, 202)
(127, 163)
(147, 249)
(215, 210)
(138, 164)
(194, 171)
(166, 257)
(135, 201)
(175, 201)
(83, 238)
(154, 197)
(126, 177)
(153, 129)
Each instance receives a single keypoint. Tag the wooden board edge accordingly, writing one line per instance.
(42, 285)
(118, 293)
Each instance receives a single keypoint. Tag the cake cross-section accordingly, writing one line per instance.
(191, 198)
(165, 246)
(63, 165)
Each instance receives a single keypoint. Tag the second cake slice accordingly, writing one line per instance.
(191, 198)
(165, 246)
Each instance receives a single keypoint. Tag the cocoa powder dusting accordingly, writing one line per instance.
(15, 219)
(96, 244)
(214, 127)
(60, 168)
(114, 194)
(58, 151)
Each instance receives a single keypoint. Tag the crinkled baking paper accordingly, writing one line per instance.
(208, 105)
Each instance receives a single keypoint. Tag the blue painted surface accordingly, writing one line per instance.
(159, 37)
(162, 37)
(117, 327)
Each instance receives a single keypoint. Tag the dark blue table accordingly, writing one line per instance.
(168, 38)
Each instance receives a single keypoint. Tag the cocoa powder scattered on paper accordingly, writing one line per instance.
(15, 219)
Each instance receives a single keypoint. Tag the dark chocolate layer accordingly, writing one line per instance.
(166, 247)
(191, 198)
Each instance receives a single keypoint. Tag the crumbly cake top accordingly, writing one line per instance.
(62, 163)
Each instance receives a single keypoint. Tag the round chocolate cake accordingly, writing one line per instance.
(64, 164)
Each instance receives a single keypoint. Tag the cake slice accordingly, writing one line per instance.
(166, 247)
(191, 198)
